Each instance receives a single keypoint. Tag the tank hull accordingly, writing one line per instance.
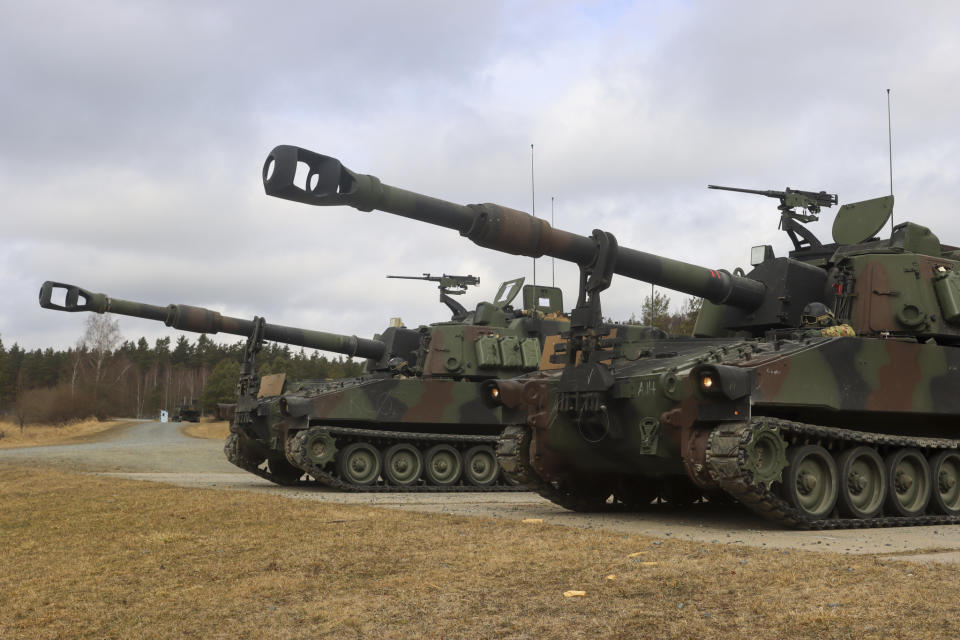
(658, 432)
(410, 416)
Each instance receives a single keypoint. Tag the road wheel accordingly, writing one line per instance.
(402, 464)
(443, 465)
(480, 466)
(810, 480)
(908, 483)
(945, 473)
(863, 482)
(359, 463)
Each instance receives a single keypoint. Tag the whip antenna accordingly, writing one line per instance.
(890, 151)
(533, 208)
(553, 261)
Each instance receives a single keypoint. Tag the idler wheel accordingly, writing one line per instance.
(811, 480)
(863, 482)
(908, 482)
(945, 472)
(443, 465)
(239, 453)
(402, 464)
(359, 463)
(480, 466)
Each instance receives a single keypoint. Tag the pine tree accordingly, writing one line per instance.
(221, 385)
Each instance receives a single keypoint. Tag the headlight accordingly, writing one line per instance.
(724, 380)
(706, 382)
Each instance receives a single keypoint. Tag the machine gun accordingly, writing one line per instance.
(449, 286)
(809, 201)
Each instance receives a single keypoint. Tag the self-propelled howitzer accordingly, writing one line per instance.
(413, 421)
(820, 390)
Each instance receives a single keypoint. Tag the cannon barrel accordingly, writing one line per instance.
(200, 320)
(492, 226)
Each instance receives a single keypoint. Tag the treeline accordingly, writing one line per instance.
(106, 376)
(656, 313)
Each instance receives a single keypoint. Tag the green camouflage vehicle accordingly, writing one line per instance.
(414, 421)
(186, 412)
(820, 390)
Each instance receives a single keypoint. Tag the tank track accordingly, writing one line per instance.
(726, 455)
(296, 453)
(232, 450)
(513, 454)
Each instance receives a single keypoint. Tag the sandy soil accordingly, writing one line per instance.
(161, 452)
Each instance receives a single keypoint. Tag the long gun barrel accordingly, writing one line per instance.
(492, 226)
(200, 320)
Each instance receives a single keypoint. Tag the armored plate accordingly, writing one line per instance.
(860, 221)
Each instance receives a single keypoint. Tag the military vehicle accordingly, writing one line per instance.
(188, 411)
(819, 389)
(414, 421)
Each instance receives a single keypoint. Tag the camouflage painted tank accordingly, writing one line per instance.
(414, 421)
(819, 391)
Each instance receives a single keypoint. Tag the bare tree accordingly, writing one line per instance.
(76, 358)
(100, 337)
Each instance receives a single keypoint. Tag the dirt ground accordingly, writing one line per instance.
(161, 452)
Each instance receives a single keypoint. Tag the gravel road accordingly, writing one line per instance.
(159, 452)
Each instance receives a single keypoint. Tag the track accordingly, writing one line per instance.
(298, 452)
(726, 459)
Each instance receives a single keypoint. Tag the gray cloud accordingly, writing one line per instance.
(133, 136)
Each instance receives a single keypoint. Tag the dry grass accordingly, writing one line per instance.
(35, 435)
(90, 557)
(207, 430)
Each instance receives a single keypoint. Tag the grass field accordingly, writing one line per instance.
(90, 557)
(208, 430)
(42, 435)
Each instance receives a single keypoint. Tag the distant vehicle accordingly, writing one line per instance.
(187, 412)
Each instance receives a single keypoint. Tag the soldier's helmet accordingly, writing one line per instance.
(816, 314)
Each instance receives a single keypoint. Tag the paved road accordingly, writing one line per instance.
(143, 447)
(160, 452)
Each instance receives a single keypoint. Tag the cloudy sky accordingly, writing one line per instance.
(132, 136)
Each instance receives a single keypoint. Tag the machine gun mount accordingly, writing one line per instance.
(449, 286)
(809, 201)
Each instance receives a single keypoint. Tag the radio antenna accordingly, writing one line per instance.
(533, 208)
(553, 261)
(890, 151)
